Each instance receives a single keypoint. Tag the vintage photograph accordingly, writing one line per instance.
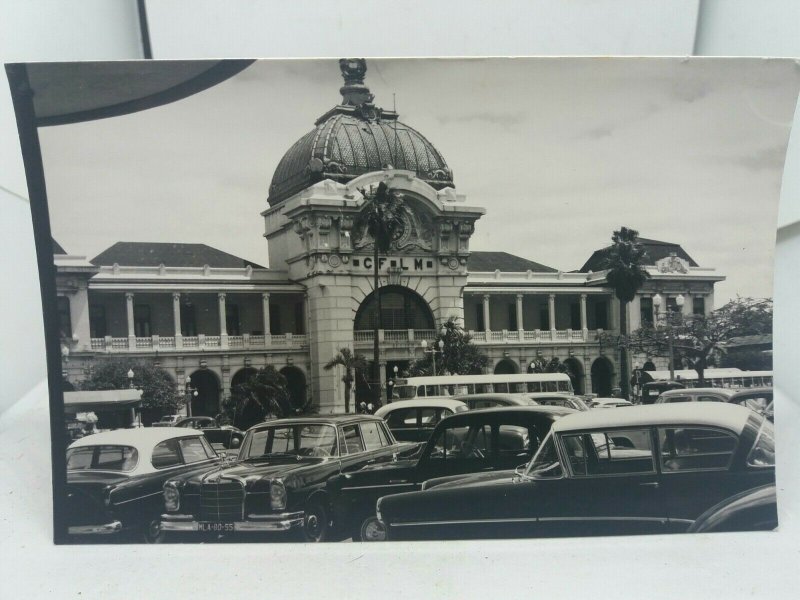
(409, 299)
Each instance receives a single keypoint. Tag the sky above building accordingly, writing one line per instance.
(560, 152)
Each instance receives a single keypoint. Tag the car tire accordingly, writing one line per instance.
(316, 525)
(152, 533)
(371, 530)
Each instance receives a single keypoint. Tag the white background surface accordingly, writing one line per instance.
(733, 565)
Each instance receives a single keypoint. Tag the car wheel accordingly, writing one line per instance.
(152, 533)
(372, 530)
(316, 527)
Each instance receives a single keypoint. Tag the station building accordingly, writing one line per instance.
(214, 318)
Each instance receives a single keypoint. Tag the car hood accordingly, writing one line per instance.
(471, 480)
(261, 470)
(100, 478)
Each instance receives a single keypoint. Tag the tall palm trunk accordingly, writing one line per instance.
(376, 350)
(624, 384)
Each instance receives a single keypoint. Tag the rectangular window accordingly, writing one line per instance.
(672, 304)
(512, 317)
(403, 418)
(275, 320)
(479, 324)
(513, 440)
(299, 319)
(698, 305)
(232, 324)
(97, 321)
(188, 320)
(352, 440)
(166, 454)
(64, 319)
(193, 450)
(575, 316)
(141, 320)
(372, 436)
(544, 318)
(646, 311)
(695, 449)
(464, 443)
(615, 452)
(601, 315)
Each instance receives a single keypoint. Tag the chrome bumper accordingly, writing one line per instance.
(254, 523)
(105, 529)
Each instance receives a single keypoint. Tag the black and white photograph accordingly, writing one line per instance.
(377, 300)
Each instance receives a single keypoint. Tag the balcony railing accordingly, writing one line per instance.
(197, 342)
(406, 337)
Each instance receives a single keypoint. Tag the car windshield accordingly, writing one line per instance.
(102, 458)
(763, 452)
(545, 463)
(317, 440)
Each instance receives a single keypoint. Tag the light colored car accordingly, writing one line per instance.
(414, 420)
(608, 403)
(696, 395)
(557, 399)
(493, 400)
(168, 421)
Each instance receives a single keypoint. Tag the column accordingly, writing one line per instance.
(551, 311)
(176, 318)
(584, 320)
(520, 326)
(265, 312)
(129, 312)
(486, 313)
(223, 321)
(688, 305)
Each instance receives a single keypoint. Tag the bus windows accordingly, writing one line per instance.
(516, 388)
(431, 390)
(501, 387)
(534, 386)
(549, 386)
(563, 386)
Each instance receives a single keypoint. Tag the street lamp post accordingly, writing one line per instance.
(432, 351)
(130, 378)
(190, 393)
(668, 316)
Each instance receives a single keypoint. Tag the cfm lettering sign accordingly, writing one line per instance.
(405, 263)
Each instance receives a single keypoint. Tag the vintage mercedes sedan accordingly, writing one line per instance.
(475, 441)
(278, 481)
(646, 469)
(115, 478)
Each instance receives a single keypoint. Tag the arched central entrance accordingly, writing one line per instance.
(602, 377)
(506, 367)
(401, 308)
(575, 372)
(206, 402)
(296, 386)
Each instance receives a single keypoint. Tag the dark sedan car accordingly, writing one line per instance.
(481, 440)
(648, 469)
(115, 478)
(752, 510)
(278, 481)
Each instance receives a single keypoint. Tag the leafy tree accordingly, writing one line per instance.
(459, 355)
(159, 393)
(554, 365)
(382, 217)
(700, 338)
(263, 394)
(352, 363)
(627, 276)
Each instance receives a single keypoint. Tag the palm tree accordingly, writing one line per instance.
(627, 276)
(382, 216)
(351, 362)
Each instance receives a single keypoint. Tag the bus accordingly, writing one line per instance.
(456, 385)
(655, 382)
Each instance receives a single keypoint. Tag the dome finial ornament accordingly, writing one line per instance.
(354, 92)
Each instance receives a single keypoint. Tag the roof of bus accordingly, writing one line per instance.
(708, 374)
(451, 379)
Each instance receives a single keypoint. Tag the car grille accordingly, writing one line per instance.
(221, 501)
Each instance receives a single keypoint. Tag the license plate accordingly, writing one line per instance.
(215, 527)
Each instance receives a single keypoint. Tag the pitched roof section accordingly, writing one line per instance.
(503, 261)
(655, 250)
(153, 254)
(57, 249)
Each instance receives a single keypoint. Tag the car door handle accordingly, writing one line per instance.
(652, 484)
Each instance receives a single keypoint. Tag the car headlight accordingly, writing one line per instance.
(172, 497)
(277, 495)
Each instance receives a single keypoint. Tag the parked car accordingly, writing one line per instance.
(414, 420)
(757, 399)
(114, 478)
(167, 421)
(696, 395)
(647, 469)
(492, 400)
(196, 422)
(751, 510)
(481, 440)
(566, 400)
(653, 389)
(278, 481)
(609, 403)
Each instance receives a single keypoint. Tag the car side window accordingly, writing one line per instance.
(463, 443)
(514, 441)
(695, 448)
(402, 418)
(352, 439)
(193, 450)
(709, 399)
(617, 452)
(166, 454)
(428, 417)
(372, 436)
(671, 399)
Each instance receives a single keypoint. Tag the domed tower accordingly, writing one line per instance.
(315, 232)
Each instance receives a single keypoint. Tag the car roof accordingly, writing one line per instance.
(728, 416)
(332, 419)
(451, 403)
(549, 412)
(136, 437)
(750, 391)
(698, 391)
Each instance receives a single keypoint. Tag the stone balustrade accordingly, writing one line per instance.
(196, 343)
